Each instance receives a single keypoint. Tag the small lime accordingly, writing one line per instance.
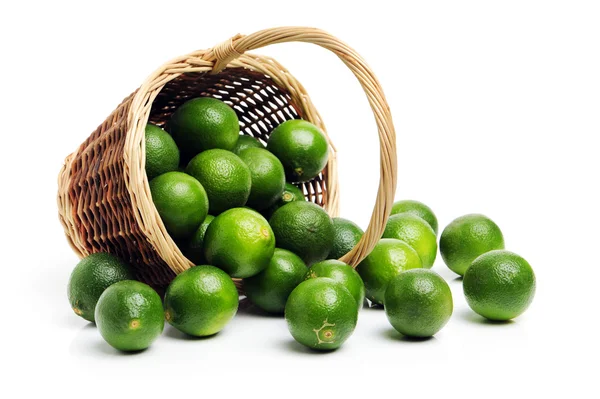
(92, 275)
(193, 249)
(416, 232)
(268, 177)
(389, 258)
(416, 208)
(343, 274)
(346, 234)
(245, 142)
(270, 289)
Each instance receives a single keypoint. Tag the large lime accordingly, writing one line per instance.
(201, 301)
(129, 315)
(301, 147)
(305, 229)
(204, 123)
(225, 177)
(499, 285)
(239, 241)
(180, 201)
(321, 314)
(467, 237)
(418, 303)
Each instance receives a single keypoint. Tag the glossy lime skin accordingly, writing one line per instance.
(245, 142)
(270, 289)
(346, 234)
(204, 123)
(180, 201)
(129, 315)
(321, 314)
(499, 285)
(162, 154)
(416, 232)
(389, 258)
(467, 237)
(301, 147)
(239, 241)
(305, 229)
(418, 303)
(224, 176)
(290, 193)
(341, 273)
(194, 247)
(201, 301)
(416, 208)
(92, 275)
(268, 177)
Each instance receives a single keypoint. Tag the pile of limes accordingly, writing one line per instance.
(234, 208)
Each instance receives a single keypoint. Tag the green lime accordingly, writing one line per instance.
(418, 303)
(239, 241)
(346, 234)
(225, 177)
(201, 301)
(180, 201)
(321, 314)
(92, 275)
(290, 193)
(245, 142)
(301, 147)
(416, 232)
(129, 315)
(269, 289)
(204, 123)
(416, 208)
(389, 258)
(305, 229)
(162, 154)
(467, 237)
(343, 274)
(268, 177)
(194, 247)
(499, 285)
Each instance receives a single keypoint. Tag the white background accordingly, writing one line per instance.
(496, 107)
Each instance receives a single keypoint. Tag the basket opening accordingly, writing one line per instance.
(261, 106)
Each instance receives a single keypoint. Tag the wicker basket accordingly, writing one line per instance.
(104, 199)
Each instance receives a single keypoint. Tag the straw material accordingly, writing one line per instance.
(104, 198)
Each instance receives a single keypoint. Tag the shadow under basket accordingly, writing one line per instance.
(104, 199)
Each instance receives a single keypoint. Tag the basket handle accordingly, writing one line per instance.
(222, 54)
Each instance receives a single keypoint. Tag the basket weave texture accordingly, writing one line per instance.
(104, 198)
